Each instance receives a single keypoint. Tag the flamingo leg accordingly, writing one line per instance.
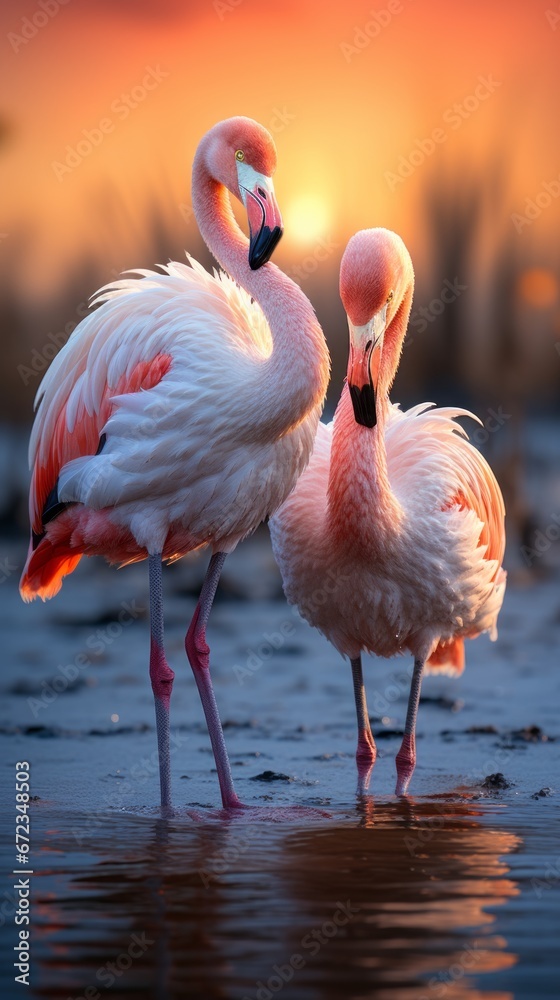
(198, 653)
(406, 757)
(367, 750)
(161, 676)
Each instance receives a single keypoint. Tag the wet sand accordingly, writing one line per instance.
(453, 892)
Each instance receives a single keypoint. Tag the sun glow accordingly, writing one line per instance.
(307, 218)
(539, 287)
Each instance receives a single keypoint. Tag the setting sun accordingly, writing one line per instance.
(307, 218)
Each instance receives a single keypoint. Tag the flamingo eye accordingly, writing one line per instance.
(239, 155)
(390, 296)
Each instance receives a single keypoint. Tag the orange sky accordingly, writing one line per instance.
(349, 115)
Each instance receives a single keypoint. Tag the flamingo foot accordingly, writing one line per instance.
(364, 778)
(406, 762)
(232, 803)
(366, 755)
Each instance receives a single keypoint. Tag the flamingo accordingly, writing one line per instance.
(393, 538)
(180, 414)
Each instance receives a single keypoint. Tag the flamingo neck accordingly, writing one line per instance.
(392, 349)
(293, 380)
(362, 508)
(361, 502)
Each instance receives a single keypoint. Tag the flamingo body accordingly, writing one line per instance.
(369, 583)
(167, 370)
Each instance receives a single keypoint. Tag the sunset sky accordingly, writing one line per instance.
(349, 91)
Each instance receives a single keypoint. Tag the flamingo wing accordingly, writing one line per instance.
(142, 329)
(455, 472)
(456, 476)
(74, 431)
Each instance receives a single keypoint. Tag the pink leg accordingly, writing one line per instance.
(198, 653)
(161, 676)
(367, 750)
(406, 757)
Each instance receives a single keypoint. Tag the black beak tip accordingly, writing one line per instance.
(363, 401)
(262, 246)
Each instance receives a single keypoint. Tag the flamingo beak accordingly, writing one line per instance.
(366, 345)
(265, 224)
(263, 214)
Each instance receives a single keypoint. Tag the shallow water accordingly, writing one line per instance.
(453, 892)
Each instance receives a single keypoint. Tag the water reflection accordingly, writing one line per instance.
(421, 877)
(395, 900)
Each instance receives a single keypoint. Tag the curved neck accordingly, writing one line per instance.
(293, 380)
(392, 348)
(361, 502)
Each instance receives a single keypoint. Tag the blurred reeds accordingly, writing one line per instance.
(494, 348)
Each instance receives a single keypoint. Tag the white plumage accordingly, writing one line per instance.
(187, 454)
(366, 582)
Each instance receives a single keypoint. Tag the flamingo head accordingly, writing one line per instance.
(241, 155)
(376, 283)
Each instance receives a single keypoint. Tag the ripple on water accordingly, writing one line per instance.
(395, 898)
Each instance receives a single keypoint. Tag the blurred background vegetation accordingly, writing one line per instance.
(353, 100)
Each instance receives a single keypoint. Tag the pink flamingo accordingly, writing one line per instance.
(393, 538)
(180, 413)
